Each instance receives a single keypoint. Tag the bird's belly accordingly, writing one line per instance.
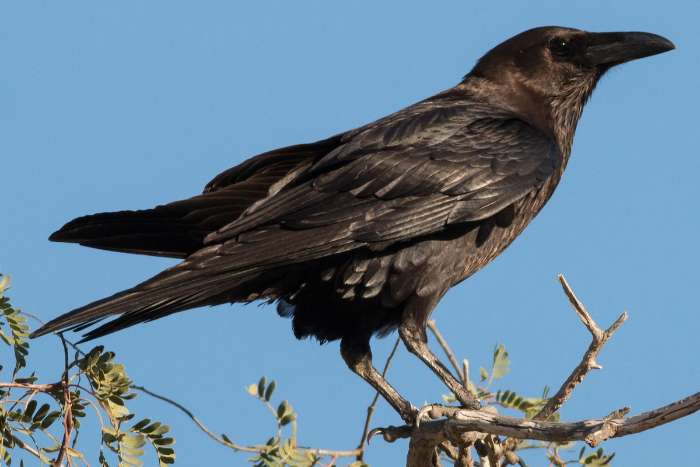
(365, 292)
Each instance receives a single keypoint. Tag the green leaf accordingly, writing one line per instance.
(29, 380)
(117, 410)
(6, 339)
(134, 441)
(580, 453)
(43, 410)
(109, 435)
(511, 400)
(138, 426)
(261, 387)
(103, 460)
(268, 392)
(49, 419)
(151, 428)
(483, 374)
(53, 448)
(163, 441)
(73, 453)
(596, 459)
(287, 419)
(154, 432)
(4, 283)
(501, 363)
(29, 411)
(282, 409)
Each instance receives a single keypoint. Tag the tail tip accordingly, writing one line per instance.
(38, 333)
(57, 236)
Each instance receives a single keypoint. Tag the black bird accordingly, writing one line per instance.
(364, 232)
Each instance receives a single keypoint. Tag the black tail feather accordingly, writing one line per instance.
(159, 232)
(161, 296)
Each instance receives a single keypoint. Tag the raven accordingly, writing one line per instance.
(364, 232)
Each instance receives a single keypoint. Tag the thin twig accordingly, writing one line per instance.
(31, 387)
(373, 404)
(67, 410)
(588, 362)
(446, 348)
(331, 453)
(230, 444)
(42, 322)
(26, 447)
(197, 422)
(465, 373)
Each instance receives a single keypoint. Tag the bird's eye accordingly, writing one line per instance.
(559, 47)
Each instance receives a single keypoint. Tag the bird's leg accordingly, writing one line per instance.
(358, 356)
(415, 338)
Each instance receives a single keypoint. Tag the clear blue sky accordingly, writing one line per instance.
(124, 105)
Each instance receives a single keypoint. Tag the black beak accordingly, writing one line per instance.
(606, 49)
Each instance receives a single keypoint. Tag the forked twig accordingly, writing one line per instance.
(588, 362)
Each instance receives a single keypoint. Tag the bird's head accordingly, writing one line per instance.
(547, 73)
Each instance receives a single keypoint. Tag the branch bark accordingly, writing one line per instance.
(592, 431)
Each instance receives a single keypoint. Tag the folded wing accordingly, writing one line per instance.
(405, 177)
(178, 229)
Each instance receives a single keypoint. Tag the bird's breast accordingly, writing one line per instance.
(488, 238)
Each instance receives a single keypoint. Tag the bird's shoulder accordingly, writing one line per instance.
(452, 143)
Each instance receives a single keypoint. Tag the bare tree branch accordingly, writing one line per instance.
(588, 362)
(593, 431)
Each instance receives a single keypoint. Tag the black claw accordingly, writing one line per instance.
(375, 431)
